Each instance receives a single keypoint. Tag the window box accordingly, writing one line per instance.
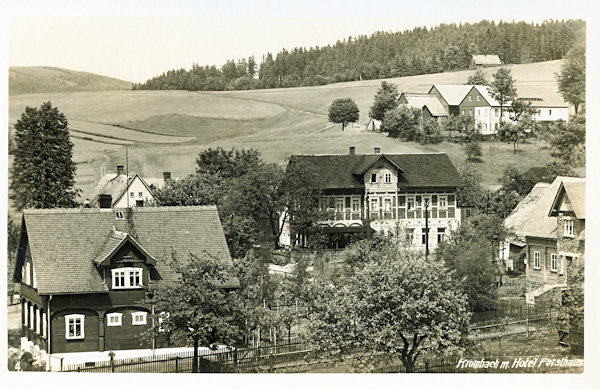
(138, 318)
(126, 277)
(114, 319)
(74, 326)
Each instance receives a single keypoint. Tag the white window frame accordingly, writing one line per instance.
(554, 262)
(355, 202)
(478, 99)
(568, 228)
(387, 201)
(410, 201)
(442, 202)
(536, 260)
(28, 273)
(140, 194)
(31, 323)
(470, 98)
(140, 322)
(127, 273)
(118, 316)
(37, 320)
(75, 318)
(410, 235)
(388, 178)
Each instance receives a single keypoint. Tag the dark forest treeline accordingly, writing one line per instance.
(383, 54)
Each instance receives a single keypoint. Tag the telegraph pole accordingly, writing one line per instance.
(127, 175)
(426, 228)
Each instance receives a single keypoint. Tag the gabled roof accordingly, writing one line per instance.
(486, 59)
(365, 163)
(418, 169)
(420, 100)
(484, 92)
(115, 241)
(66, 243)
(453, 94)
(114, 185)
(530, 217)
(575, 193)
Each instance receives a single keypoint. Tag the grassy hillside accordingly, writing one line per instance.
(37, 79)
(165, 130)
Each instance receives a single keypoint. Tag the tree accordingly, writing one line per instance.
(398, 303)
(402, 122)
(568, 140)
(477, 78)
(512, 132)
(386, 99)
(300, 189)
(473, 151)
(465, 125)
(473, 268)
(503, 89)
(571, 79)
(430, 130)
(343, 111)
(471, 194)
(194, 305)
(43, 172)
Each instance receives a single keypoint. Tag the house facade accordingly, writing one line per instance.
(387, 192)
(533, 224)
(450, 96)
(547, 109)
(126, 190)
(484, 109)
(569, 209)
(84, 273)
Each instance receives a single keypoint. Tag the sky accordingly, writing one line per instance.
(134, 40)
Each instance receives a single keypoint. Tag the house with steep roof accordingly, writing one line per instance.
(430, 105)
(569, 209)
(450, 96)
(485, 110)
(485, 60)
(125, 190)
(85, 272)
(549, 244)
(386, 192)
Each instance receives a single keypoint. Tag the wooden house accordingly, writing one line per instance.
(84, 272)
(386, 192)
(485, 60)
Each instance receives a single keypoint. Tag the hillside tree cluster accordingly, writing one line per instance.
(422, 50)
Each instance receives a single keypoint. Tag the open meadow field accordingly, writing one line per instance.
(165, 130)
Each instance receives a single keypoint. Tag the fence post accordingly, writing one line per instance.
(527, 325)
(176, 363)
(112, 361)
(235, 359)
(271, 361)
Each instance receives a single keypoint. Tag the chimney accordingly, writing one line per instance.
(119, 169)
(377, 150)
(166, 176)
(105, 201)
(352, 150)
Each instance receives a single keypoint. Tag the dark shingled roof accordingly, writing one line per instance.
(66, 243)
(417, 170)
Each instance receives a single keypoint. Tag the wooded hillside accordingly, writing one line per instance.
(421, 50)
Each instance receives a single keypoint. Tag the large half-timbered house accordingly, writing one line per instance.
(387, 192)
